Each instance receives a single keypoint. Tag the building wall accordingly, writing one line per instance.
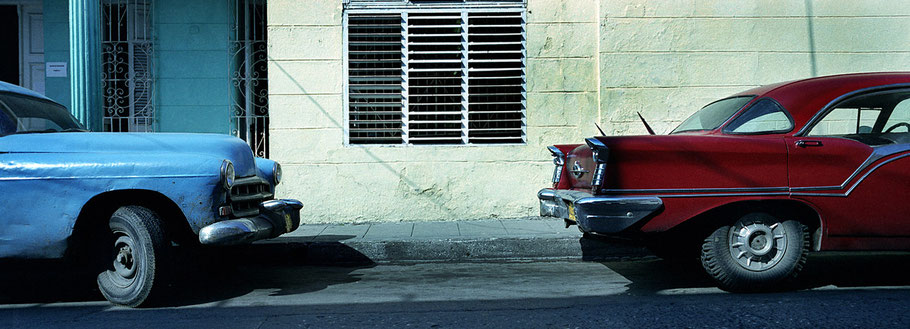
(668, 58)
(57, 48)
(191, 47)
(588, 61)
(193, 70)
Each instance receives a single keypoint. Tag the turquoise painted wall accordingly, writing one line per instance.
(56, 48)
(193, 74)
(192, 71)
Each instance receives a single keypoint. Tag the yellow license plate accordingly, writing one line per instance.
(571, 211)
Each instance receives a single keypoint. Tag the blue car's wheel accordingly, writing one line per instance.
(136, 248)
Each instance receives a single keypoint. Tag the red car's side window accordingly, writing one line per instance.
(878, 118)
(764, 117)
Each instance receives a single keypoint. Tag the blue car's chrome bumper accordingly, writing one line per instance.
(276, 217)
(597, 214)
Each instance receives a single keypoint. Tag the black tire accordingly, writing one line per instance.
(137, 250)
(758, 252)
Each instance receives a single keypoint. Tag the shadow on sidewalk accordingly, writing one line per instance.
(201, 275)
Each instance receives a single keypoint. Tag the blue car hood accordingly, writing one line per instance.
(154, 144)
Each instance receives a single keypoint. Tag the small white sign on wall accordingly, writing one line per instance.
(55, 69)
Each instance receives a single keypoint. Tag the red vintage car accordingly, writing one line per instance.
(754, 181)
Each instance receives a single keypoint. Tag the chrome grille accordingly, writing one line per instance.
(247, 194)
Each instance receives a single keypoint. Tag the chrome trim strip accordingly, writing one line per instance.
(817, 194)
(594, 142)
(720, 195)
(872, 170)
(816, 188)
(101, 177)
(878, 153)
(825, 109)
(719, 189)
(847, 193)
(555, 150)
(646, 200)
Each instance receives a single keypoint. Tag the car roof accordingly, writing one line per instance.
(11, 88)
(804, 98)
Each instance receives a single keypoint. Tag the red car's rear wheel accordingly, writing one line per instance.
(757, 252)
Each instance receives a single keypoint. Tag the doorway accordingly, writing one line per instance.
(22, 43)
(9, 44)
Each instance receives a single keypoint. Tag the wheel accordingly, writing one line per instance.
(758, 252)
(137, 247)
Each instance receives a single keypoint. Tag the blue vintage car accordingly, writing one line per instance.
(125, 199)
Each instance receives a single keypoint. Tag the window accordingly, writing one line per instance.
(900, 118)
(435, 72)
(846, 121)
(764, 117)
(249, 88)
(23, 114)
(127, 74)
(876, 118)
(713, 115)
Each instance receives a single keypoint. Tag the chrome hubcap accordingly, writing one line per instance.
(757, 246)
(124, 263)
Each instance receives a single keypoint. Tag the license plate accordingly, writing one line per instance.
(571, 211)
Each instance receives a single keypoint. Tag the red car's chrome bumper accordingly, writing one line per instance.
(597, 214)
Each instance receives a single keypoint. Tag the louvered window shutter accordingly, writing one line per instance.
(375, 79)
(433, 75)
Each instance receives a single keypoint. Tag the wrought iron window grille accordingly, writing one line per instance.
(249, 75)
(127, 76)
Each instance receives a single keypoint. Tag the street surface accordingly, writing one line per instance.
(870, 291)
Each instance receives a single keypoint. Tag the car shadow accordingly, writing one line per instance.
(197, 275)
(651, 275)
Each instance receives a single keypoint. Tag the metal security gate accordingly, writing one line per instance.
(128, 83)
(249, 75)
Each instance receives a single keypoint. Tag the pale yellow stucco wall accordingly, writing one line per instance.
(588, 61)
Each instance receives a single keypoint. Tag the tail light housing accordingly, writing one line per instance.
(559, 159)
(601, 155)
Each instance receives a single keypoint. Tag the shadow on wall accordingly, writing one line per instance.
(413, 186)
(812, 60)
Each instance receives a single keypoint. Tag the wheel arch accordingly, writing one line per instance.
(95, 213)
(781, 208)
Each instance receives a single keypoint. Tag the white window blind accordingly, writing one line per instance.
(436, 75)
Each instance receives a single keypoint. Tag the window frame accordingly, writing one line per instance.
(755, 102)
(821, 114)
(396, 7)
(8, 112)
(141, 76)
(723, 123)
(885, 124)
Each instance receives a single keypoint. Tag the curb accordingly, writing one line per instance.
(448, 250)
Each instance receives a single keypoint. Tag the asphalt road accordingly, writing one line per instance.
(870, 291)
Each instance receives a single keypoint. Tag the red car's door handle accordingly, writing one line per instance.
(808, 143)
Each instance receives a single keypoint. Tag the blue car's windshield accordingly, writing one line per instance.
(24, 114)
(713, 115)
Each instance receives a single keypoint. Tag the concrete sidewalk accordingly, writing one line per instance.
(533, 238)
